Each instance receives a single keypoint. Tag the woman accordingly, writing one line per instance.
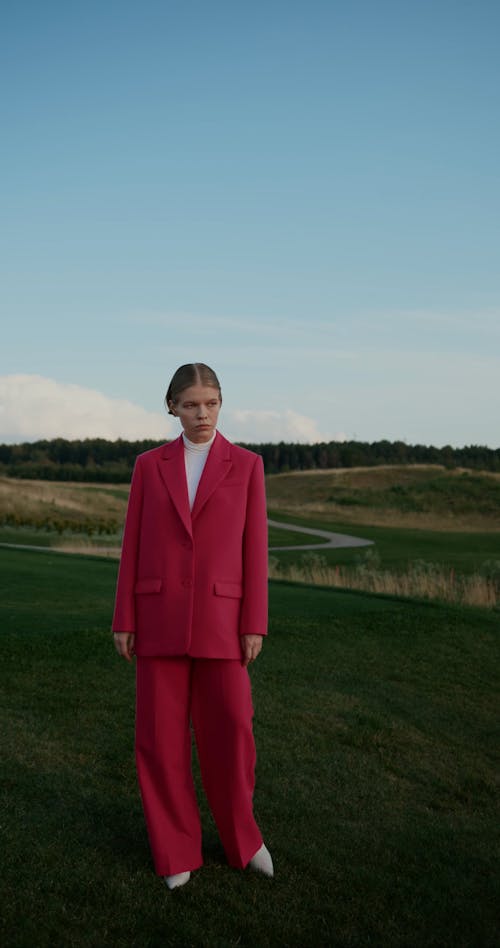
(191, 605)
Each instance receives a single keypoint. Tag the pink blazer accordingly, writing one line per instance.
(192, 582)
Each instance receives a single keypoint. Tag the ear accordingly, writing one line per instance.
(171, 407)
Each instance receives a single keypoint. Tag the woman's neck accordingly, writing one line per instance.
(198, 445)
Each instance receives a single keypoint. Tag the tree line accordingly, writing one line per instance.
(96, 459)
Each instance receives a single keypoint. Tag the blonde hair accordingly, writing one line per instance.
(193, 373)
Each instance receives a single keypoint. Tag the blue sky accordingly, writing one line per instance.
(305, 195)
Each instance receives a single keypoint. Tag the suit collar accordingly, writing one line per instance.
(173, 472)
(170, 449)
(217, 466)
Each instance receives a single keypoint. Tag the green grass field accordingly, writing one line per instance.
(376, 728)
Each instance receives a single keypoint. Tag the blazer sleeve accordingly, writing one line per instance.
(253, 617)
(124, 612)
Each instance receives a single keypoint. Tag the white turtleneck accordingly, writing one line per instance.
(195, 456)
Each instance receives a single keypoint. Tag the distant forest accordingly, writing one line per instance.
(96, 459)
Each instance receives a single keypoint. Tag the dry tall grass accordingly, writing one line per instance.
(25, 496)
(422, 580)
(52, 505)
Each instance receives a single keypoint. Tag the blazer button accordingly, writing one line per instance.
(187, 583)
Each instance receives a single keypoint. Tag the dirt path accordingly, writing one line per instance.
(333, 539)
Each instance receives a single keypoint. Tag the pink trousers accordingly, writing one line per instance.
(215, 696)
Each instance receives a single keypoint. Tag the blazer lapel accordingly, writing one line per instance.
(217, 466)
(173, 472)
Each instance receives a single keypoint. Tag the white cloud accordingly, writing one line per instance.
(33, 407)
(261, 426)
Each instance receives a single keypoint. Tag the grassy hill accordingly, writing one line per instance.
(376, 779)
(422, 496)
(58, 507)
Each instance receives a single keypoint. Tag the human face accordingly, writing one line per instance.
(198, 408)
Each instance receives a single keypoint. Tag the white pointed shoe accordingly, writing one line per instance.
(173, 882)
(262, 861)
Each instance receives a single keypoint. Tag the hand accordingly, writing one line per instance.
(251, 645)
(125, 644)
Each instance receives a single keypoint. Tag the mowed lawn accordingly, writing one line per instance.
(376, 728)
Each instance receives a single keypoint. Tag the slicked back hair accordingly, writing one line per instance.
(193, 373)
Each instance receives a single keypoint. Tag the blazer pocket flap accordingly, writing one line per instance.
(147, 586)
(233, 590)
